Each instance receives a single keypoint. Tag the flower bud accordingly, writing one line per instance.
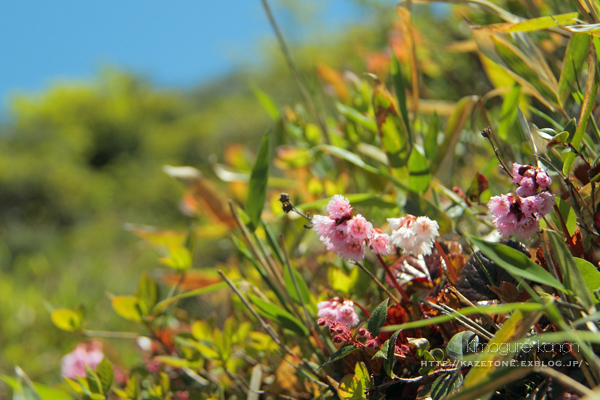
(322, 321)
(338, 339)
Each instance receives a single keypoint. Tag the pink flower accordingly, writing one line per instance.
(414, 235)
(359, 228)
(339, 207)
(322, 224)
(344, 234)
(520, 215)
(90, 354)
(529, 179)
(337, 311)
(380, 243)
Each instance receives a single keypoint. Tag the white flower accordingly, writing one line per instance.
(414, 235)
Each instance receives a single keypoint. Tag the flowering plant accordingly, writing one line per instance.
(420, 295)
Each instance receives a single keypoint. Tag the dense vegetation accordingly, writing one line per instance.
(409, 150)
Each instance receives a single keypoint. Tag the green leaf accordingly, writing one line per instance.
(445, 385)
(590, 274)
(519, 63)
(589, 99)
(147, 292)
(302, 286)
(66, 319)
(534, 24)
(488, 310)
(395, 139)
(257, 188)
(261, 270)
(356, 117)
(279, 316)
(461, 344)
(105, 373)
(356, 160)
(267, 103)
(516, 263)
(571, 274)
(508, 115)
(273, 243)
(377, 318)
(388, 363)
(339, 354)
(399, 88)
(454, 127)
(568, 215)
(419, 171)
(179, 258)
(577, 50)
(496, 378)
(94, 382)
(127, 307)
(430, 140)
(192, 293)
(354, 387)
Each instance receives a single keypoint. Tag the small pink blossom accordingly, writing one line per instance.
(345, 234)
(90, 354)
(322, 224)
(337, 311)
(529, 179)
(381, 243)
(339, 207)
(520, 215)
(359, 228)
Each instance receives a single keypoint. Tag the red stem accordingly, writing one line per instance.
(391, 276)
(449, 269)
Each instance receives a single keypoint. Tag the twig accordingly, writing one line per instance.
(393, 279)
(449, 268)
(487, 134)
(378, 282)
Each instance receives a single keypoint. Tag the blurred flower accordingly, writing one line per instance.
(415, 235)
(519, 215)
(337, 311)
(90, 354)
(529, 179)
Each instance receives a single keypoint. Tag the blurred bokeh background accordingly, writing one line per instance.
(96, 97)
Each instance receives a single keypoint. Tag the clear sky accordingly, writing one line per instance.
(173, 42)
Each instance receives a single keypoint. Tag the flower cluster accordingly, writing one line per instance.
(346, 234)
(519, 213)
(529, 179)
(415, 235)
(338, 311)
(90, 354)
(341, 334)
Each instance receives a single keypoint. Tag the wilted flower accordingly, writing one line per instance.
(520, 215)
(415, 235)
(348, 235)
(90, 354)
(338, 311)
(529, 179)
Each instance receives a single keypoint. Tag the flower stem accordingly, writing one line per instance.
(449, 270)
(391, 276)
(378, 282)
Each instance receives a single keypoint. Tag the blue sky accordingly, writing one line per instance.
(174, 43)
